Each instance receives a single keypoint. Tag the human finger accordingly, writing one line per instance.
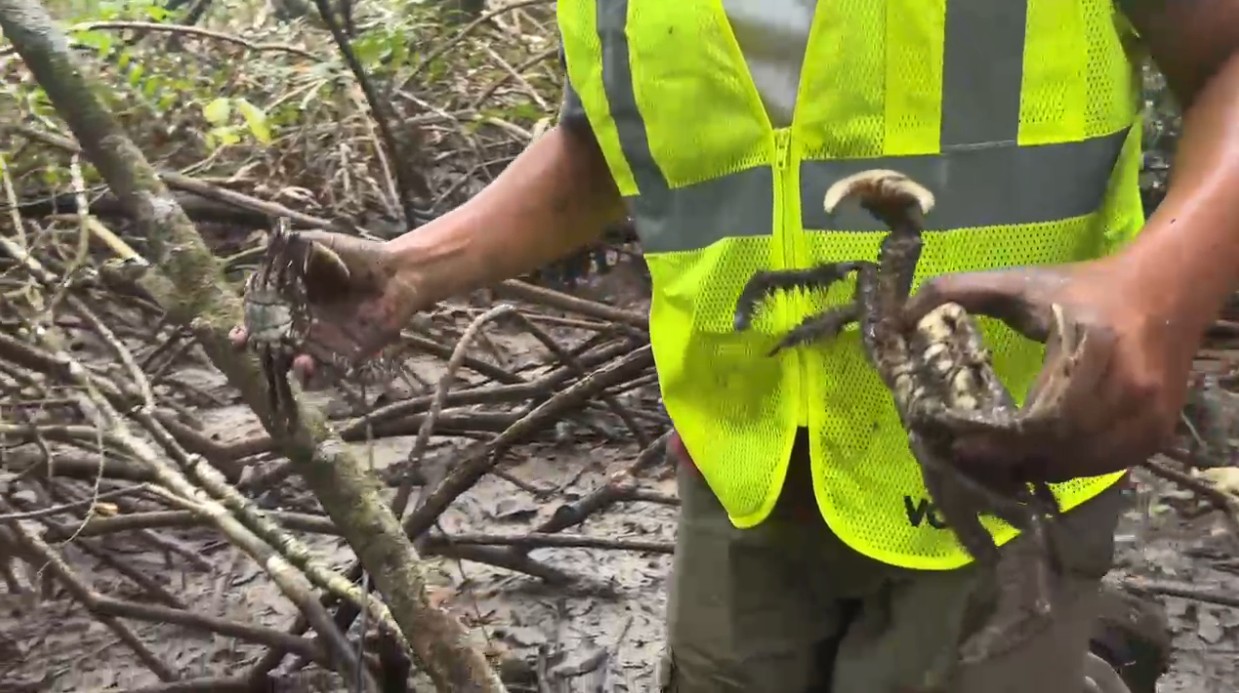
(1076, 391)
(331, 239)
(998, 461)
(303, 368)
(1138, 436)
(351, 249)
(1071, 446)
(1130, 441)
(1073, 397)
(1009, 295)
(238, 336)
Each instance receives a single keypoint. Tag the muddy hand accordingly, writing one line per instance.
(358, 300)
(1114, 377)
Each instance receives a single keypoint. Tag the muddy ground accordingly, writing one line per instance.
(603, 635)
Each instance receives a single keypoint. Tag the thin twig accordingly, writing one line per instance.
(66, 507)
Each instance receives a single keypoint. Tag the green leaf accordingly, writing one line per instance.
(400, 54)
(255, 119)
(218, 111)
(368, 48)
(110, 10)
(221, 137)
(226, 135)
(51, 176)
(135, 75)
(98, 40)
(524, 111)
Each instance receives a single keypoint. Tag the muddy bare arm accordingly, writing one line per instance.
(557, 196)
(1188, 254)
(553, 199)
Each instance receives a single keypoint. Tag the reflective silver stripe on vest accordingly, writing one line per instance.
(982, 71)
(617, 80)
(692, 217)
(981, 178)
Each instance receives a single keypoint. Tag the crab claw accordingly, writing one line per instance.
(322, 270)
(1065, 346)
(882, 191)
(323, 263)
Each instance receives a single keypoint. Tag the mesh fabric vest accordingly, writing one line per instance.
(1021, 116)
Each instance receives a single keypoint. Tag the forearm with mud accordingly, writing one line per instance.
(1188, 252)
(1194, 233)
(557, 196)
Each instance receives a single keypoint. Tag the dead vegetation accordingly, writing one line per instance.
(156, 532)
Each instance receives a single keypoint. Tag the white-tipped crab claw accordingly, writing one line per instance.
(879, 186)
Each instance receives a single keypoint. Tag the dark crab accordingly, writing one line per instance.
(278, 308)
(943, 384)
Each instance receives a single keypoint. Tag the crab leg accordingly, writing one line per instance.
(823, 326)
(762, 284)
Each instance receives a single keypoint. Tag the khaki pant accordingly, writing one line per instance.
(786, 607)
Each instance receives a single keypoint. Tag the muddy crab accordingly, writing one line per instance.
(279, 311)
(943, 384)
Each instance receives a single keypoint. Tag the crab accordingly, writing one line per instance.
(943, 385)
(278, 313)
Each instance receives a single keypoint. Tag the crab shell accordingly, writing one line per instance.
(268, 317)
(277, 311)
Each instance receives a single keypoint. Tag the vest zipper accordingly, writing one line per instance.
(783, 158)
(785, 192)
(783, 144)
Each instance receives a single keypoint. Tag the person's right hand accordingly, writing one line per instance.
(355, 316)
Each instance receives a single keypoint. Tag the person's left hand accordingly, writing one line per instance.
(1127, 390)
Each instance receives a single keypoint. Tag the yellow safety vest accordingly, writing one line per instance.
(1022, 116)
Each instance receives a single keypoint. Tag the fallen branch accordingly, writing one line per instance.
(187, 184)
(1181, 590)
(1226, 503)
(185, 280)
(40, 550)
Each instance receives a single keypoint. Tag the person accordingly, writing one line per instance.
(808, 556)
